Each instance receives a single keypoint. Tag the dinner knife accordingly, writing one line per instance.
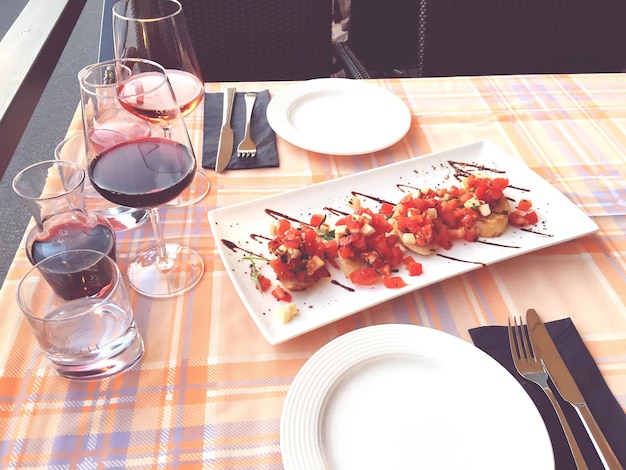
(225, 145)
(567, 387)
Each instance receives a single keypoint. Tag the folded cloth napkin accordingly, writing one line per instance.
(260, 131)
(606, 410)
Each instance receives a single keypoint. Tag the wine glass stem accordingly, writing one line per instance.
(164, 262)
(167, 132)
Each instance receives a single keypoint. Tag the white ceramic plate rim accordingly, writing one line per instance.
(519, 426)
(338, 116)
(326, 303)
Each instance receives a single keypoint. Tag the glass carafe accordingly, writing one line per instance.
(52, 191)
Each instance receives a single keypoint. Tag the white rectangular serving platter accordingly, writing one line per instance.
(560, 220)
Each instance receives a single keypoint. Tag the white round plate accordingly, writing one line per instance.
(338, 116)
(406, 397)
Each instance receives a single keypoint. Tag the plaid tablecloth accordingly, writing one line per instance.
(209, 391)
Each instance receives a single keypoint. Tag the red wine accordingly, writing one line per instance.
(147, 95)
(73, 235)
(144, 172)
(188, 88)
(92, 281)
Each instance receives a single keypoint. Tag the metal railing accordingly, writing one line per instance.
(29, 53)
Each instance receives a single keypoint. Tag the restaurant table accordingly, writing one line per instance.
(209, 390)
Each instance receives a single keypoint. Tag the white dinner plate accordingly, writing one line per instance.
(338, 116)
(409, 397)
(331, 299)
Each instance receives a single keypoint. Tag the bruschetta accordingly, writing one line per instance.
(429, 219)
(299, 255)
(367, 247)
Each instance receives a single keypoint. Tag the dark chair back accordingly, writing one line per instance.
(490, 37)
(261, 40)
(384, 33)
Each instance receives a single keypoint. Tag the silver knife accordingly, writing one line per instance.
(225, 145)
(566, 386)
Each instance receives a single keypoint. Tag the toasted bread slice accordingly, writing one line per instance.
(296, 285)
(494, 224)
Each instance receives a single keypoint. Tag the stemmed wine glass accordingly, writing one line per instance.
(148, 171)
(157, 30)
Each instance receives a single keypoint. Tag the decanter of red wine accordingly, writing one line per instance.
(52, 191)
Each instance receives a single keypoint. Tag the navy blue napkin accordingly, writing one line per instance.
(494, 340)
(260, 131)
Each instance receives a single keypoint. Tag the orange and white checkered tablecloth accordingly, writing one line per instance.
(209, 390)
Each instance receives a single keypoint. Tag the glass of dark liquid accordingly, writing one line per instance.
(146, 171)
(157, 30)
(52, 191)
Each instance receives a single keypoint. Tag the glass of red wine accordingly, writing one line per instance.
(148, 171)
(157, 30)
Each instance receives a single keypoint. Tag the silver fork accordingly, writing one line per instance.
(247, 147)
(529, 365)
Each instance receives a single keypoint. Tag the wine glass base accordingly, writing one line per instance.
(196, 191)
(124, 218)
(148, 278)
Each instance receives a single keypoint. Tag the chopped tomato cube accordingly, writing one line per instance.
(281, 294)
(519, 219)
(386, 209)
(264, 283)
(524, 205)
(394, 282)
(532, 218)
(317, 219)
(413, 267)
(365, 277)
(282, 226)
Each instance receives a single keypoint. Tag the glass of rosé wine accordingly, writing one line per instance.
(146, 171)
(157, 30)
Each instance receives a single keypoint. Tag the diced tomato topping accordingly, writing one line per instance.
(500, 183)
(264, 282)
(532, 218)
(365, 277)
(386, 209)
(394, 282)
(524, 205)
(317, 220)
(298, 252)
(520, 219)
(281, 294)
(413, 267)
(346, 252)
(282, 226)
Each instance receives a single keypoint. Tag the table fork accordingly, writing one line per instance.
(529, 365)
(247, 147)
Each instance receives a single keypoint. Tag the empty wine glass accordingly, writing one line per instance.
(148, 171)
(157, 30)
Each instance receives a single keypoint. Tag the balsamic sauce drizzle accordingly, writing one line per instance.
(373, 198)
(234, 248)
(405, 188)
(278, 215)
(256, 236)
(335, 211)
(536, 233)
(337, 283)
(461, 260)
(485, 242)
